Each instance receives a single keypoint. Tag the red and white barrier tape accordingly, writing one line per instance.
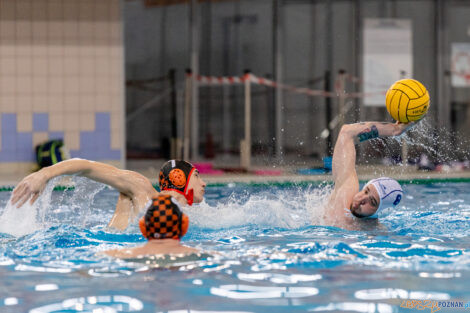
(306, 91)
(237, 80)
(215, 80)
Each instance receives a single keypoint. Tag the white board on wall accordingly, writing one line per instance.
(460, 64)
(388, 56)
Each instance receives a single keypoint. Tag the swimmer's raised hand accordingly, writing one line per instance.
(29, 189)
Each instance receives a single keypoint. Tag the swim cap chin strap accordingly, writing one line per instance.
(390, 193)
(164, 219)
(175, 176)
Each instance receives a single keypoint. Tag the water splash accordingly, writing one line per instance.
(284, 208)
(81, 201)
(33, 217)
(21, 221)
(440, 144)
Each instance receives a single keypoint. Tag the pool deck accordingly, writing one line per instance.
(363, 174)
(287, 174)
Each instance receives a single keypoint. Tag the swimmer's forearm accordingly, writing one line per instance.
(67, 167)
(369, 130)
(126, 182)
(96, 171)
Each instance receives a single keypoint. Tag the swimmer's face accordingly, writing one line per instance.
(198, 185)
(365, 202)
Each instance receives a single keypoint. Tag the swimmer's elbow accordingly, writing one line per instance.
(347, 130)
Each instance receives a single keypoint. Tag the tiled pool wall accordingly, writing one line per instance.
(61, 76)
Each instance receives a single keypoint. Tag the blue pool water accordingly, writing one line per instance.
(268, 254)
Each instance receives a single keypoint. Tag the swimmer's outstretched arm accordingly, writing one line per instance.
(344, 156)
(127, 182)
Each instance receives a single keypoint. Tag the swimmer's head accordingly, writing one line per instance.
(182, 177)
(164, 219)
(377, 194)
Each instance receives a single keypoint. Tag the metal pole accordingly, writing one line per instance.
(341, 96)
(328, 44)
(245, 146)
(328, 115)
(357, 53)
(187, 113)
(360, 109)
(174, 134)
(226, 119)
(313, 110)
(443, 107)
(123, 94)
(194, 24)
(277, 25)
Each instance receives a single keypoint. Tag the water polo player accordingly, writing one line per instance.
(177, 178)
(347, 203)
(163, 225)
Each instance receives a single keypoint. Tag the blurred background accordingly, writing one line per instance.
(123, 81)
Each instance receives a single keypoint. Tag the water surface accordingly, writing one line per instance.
(269, 254)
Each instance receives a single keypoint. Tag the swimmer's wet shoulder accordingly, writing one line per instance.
(154, 248)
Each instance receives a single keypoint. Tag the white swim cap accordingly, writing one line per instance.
(389, 191)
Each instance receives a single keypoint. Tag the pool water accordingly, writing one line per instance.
(270, 255)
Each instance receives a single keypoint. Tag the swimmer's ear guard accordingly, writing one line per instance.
(175, 175)
(164, 219)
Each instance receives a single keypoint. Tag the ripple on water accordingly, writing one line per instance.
(104, 304)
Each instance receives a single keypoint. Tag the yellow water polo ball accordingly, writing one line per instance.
(407, 100)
